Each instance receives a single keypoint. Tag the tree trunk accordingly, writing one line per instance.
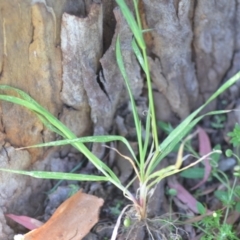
(62, 53)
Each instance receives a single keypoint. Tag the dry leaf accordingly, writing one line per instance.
(73, 219)
(183, 195)
(204, 149)
(27, 222)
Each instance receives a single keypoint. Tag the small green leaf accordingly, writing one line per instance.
(172, 192)
(216, 156)
(235, 135)
(193, 173)
(237, 191)
(222, 196)
(237, 207)
(73, 189)
(166, 127)
(218, 121)
(201, 209)
(116, 209)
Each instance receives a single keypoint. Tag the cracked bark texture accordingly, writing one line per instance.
(63, 54)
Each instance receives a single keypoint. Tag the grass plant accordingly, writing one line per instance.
(145, 163)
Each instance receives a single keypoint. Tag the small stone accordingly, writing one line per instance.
(226, 164)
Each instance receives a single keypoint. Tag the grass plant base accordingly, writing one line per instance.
(157, 228)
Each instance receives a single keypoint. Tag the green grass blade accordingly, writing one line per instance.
(58, 175)
(19, 101)
(48, 125)
(73, 170)
(133, 104)
(138, 55)
(136, 28)
(96, 139)
(136, 2)
(166, 150)
(31, 104)
(157, 176)
(151, 101)
(24, 95)
(185, 131)
(184, 124)
(147, 135)
(183, 128)
(40, 110)
(132, 23)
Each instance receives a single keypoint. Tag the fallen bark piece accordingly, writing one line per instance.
(73, 219)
